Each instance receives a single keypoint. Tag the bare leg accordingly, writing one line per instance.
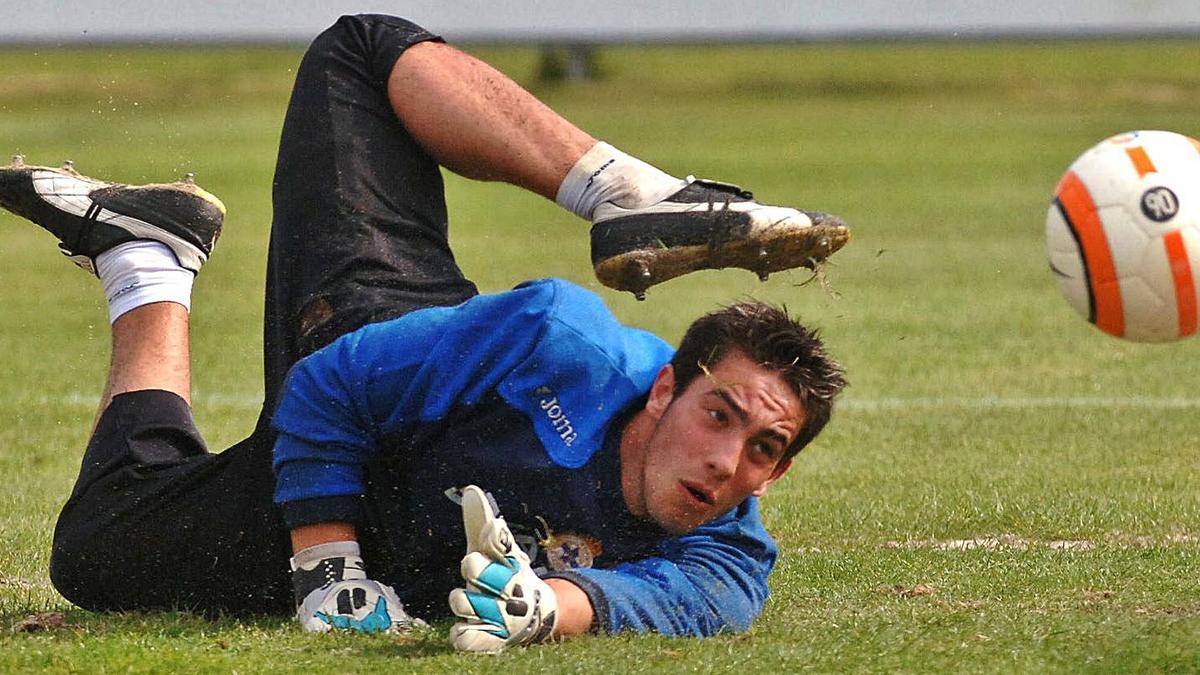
(477, 122)
(150, 350)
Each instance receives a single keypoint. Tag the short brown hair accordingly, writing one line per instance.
(768, 336)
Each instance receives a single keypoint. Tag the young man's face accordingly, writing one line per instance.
(719, 441)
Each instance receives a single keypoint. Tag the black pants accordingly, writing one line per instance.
(359, 235)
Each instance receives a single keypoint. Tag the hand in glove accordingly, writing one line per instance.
(333, 592)
(504, 602)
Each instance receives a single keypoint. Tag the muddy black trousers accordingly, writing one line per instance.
(359, 234)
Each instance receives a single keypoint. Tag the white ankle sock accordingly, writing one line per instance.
(140, 272)
(605, 174)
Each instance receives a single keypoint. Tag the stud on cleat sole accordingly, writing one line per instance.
(763, 257)
(637, 277)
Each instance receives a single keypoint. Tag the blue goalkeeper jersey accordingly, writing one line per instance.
(526, 394)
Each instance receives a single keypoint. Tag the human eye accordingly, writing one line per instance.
(767, 449)
(717, 415)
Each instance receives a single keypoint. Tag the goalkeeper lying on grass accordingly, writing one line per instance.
(627, 472)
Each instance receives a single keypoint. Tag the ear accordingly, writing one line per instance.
(780, 469)
(661, 392)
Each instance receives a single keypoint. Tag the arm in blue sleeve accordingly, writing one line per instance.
(706, 582)
(338, 401)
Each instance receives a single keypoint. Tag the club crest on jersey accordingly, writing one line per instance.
(568, 550)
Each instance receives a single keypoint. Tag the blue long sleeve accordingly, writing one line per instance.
(709, 581)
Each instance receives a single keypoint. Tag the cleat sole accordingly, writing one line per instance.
(771, 250)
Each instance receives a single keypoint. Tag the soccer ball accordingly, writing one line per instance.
(1123, 235)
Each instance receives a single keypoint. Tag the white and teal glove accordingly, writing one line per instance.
(334, 593)
(504, 602)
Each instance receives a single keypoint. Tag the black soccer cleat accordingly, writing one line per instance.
(89, 216)
(707, 225)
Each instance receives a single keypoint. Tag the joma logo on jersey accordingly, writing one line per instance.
(559, 420)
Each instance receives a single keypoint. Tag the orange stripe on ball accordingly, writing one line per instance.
(1185, 286)
(1102, 272)
(1141, 161)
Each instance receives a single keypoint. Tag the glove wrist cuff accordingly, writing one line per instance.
(307, 558)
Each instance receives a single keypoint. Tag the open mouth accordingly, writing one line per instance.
(698, 493)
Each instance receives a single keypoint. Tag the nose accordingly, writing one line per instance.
(722, 459)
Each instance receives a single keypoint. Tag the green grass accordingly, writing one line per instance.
(982, 411)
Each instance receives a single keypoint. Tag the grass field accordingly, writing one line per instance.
(1003, 488)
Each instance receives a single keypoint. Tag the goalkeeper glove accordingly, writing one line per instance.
(333, 592)
(504, 602)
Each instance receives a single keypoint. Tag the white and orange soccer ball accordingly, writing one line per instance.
(1123, 235)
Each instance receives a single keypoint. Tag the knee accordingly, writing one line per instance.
(364, 29)
(373, 41)
(103, 573)
(367, 23)
(75, 576)
(83, 568)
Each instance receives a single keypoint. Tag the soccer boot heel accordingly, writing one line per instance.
(707, 225)
(90, 216)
